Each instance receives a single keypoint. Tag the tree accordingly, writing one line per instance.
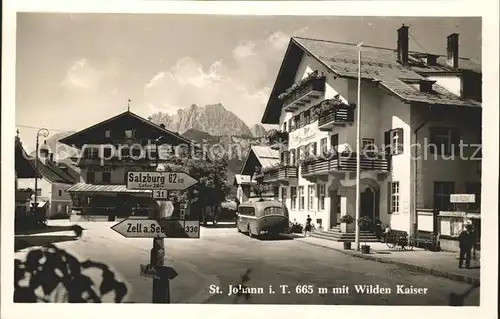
(212, 187)
(50, 274)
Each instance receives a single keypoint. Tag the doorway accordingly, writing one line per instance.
(369, 204)
(334, 208)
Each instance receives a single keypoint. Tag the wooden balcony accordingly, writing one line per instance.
(310, 90)
(345, 163)
(282, 174)
(336, 116)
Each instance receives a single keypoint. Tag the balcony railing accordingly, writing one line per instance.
(337, 115)
(303, 91)
(282, 173)
(345, 163)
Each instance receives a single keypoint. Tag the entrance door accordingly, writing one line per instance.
(334, 208)
(367, 204)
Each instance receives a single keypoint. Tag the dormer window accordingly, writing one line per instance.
(426, 86)
(107, 133)
(129, 133)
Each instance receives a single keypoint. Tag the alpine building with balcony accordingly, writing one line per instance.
(407, 99)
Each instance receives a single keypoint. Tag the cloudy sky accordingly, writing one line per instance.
(74, 70)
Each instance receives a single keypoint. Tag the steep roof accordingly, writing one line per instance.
(76, 138)
(23, 162)
(53, 173)
(378, 65)
(263, 156)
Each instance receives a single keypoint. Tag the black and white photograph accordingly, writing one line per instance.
(179, 158)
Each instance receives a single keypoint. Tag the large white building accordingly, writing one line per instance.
(407, 99)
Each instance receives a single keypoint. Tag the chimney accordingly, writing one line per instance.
(452, 51)
(403, 45)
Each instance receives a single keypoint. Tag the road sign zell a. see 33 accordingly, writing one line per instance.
(159, 180)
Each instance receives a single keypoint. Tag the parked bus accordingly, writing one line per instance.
(256, 218)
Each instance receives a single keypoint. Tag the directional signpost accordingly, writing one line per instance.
(161, 224)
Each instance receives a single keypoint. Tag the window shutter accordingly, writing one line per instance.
(387, 142)
(389, 192)
(400, 146)
(455, 139)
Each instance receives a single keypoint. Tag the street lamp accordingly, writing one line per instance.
(358, 133)
(41, 132)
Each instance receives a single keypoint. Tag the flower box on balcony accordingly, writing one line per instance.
(310, 87)
(333, 112)
(277, 137)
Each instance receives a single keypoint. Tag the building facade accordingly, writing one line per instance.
(260, 161)
(111, 149)
(415, 111)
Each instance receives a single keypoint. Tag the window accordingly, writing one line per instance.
(292, 157)
(284, 127)
(393, 140)
(314, 148)
(107, 133)
(443, 140)
(59, 208)
(283, 195)
(38, 192)
(302, 199)
(106, 177)
(246, 211)
(129, 133)
(310, 202)
(307, 117)
(321, 196)
(302, 119)
(442, 191)
(59, 193)
(136, 152)
(334, 142)
(91, 153)
(290, 125)
(90, 177)
(474, 188)
(293, 197)
(322, 145)
(307, 149)
(298, 154)
(393, 197)
(124, 152)
(106, 152)
(368, 145)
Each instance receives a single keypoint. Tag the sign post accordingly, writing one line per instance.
(161, 224)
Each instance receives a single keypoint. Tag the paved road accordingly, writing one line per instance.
(313, 275)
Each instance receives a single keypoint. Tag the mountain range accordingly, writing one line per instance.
(211, 124)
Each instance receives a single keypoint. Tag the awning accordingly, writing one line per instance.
(107, 189)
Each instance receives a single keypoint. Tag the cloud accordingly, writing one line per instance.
(81, 75)
(242, 85)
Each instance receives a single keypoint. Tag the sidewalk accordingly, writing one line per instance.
(443, 264)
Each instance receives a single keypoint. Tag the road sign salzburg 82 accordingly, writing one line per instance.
(159, 180)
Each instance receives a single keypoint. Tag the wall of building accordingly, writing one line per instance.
(60, 204)
(457, 169)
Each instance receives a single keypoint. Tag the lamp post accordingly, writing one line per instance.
(358, 133)
(41, 132)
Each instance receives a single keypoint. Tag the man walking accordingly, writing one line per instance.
(466, 241)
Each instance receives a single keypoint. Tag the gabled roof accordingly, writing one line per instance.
(71, 139)
(264, 155)
(379, 65)
(23, 162)
(53, 173)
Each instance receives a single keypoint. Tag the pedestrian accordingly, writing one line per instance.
(308, 225)
(466, 241)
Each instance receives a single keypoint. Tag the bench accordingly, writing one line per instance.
(427, 240)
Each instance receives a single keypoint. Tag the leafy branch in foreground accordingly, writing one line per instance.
(50, 274)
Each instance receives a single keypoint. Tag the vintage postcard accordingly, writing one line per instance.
(209, 154)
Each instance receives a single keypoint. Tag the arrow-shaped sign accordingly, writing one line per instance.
(159, 180)
(163, 228)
